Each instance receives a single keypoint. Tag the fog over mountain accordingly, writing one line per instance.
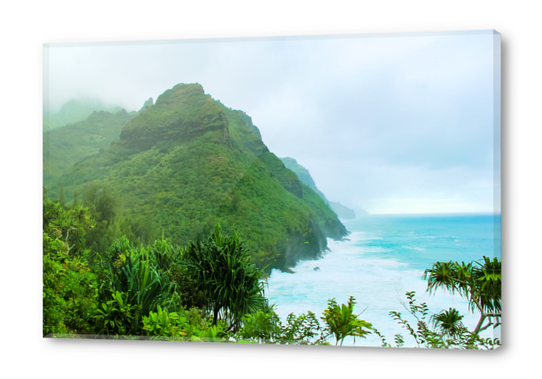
(392, 124)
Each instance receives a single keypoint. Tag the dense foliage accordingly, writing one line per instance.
(193, 170)
(207, 291)
(188, 162)
(69, 286)
(66, 145)
(222, 269)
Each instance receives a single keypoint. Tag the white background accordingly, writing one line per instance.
(25, 26)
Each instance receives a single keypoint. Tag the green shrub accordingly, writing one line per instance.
(69, 291)
(164, 324)
(69, 286)
(127, 273)
(342, 322)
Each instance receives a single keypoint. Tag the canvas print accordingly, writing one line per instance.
(335, 190)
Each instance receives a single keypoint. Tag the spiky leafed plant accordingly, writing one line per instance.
(478, 281)
(164, 255)
(342, 322)
(448, 322)
(128, 273)
(221, 267)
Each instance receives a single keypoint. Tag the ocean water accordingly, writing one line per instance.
(383, 258)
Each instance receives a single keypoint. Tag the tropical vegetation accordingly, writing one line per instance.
(73, 111)
(153, 229)
(68, 144)
(210, 291)
(184, 164)
(206, 291)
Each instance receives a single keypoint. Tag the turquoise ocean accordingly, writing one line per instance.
(384, 257)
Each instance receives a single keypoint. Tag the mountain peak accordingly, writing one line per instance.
(181, 113)
(148, 103)
(180, 92)
(188, 162)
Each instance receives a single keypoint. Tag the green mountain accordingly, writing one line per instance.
(74, 111)
(188, 162)
(303, 174)
(66, 145)
(148, 103)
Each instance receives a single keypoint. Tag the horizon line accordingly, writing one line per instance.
(432, 214)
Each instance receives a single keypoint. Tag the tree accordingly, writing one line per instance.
(478, 281)
(71, 225)
(69, 291)
(106, 205)
(61, 198)
(448, 332)
(448, 322)
(69, 287)
(221, 267)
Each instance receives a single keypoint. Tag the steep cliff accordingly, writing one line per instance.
(188, 162)
(304, 175)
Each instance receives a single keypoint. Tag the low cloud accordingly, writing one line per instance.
(394, 124)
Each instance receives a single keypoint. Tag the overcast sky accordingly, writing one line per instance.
(389, 123)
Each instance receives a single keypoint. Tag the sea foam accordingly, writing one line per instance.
(377, 265)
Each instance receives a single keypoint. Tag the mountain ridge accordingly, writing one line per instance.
(188, 162)
(304, 175)
(75, 110)
(68, 144)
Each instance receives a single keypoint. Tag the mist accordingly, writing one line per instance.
(399, 123)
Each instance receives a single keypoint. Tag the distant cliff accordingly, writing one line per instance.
(74, 111)
(343, 212)
(304, 175)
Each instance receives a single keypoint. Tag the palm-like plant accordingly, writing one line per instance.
(342, 322)
(221, 267)
(448, 322)
(448, 331)
(479, 282)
